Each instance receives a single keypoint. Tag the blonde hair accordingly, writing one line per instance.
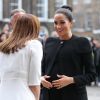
(14, 11)
(26, 28)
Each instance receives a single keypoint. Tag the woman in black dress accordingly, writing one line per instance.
(67, 63)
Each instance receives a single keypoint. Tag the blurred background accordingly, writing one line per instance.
(86, 14)
(86, 23)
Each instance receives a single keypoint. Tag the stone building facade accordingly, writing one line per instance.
(86, 14)
(87, 18)
(44, 9)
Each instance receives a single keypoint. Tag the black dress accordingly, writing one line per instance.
(71, 57)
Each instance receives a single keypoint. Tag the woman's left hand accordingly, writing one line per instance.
(62, 81)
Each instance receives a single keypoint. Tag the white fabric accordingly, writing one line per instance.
(19, 70)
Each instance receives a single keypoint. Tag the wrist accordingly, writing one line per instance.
(72, 80)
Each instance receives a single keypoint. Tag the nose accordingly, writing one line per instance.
(58, 26)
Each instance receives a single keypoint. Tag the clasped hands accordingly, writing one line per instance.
(59, 83)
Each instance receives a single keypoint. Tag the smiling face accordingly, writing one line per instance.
(62, 25)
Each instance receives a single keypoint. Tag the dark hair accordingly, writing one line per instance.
(67, 11)
(67, 7)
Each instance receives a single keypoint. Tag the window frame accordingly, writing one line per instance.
(1, 9)
(44, 12)
(64, 2)
(87, 1)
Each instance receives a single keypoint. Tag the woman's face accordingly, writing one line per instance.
(62, 25)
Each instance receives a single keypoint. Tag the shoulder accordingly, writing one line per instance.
(50, 39)
(84, 44)
(34, 46)
(32, 43)
(83, 41)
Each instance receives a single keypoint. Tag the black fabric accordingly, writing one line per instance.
(73, 59)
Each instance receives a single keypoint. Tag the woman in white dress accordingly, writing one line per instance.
(20, 61)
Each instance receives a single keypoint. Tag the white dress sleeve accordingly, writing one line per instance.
(35, 64)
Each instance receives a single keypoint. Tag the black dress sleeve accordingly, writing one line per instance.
(89, 72)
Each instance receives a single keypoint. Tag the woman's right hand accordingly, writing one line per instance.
(46, 83)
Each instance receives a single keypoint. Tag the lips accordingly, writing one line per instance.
(60, 30)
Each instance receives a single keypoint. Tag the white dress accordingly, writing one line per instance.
(20, 70)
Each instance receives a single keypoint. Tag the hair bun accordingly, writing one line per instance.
(67, 7)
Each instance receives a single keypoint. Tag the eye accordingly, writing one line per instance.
(62, 22)
(55, 22)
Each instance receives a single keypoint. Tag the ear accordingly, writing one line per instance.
(71, 24)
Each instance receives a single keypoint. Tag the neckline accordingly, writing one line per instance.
(68, 39)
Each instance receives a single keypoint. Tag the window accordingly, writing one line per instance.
(15, 4)
(59, 3)
(42, 9)
(12, 4)
(78, 22)
(75, 2)
(1, 9)
(88, 22)
(96, 20)
(87, 1)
